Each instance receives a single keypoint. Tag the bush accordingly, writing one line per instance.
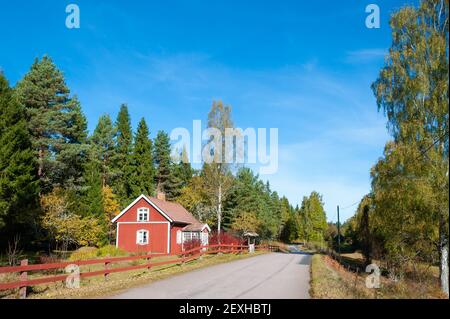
(225, 239)
(49, 259)
(110, 251)
(191, 244)
(84, 253)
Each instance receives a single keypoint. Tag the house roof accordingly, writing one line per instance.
(173, 212)
(196, 227)
(250, 234)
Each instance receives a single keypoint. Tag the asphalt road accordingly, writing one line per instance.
(268, 276)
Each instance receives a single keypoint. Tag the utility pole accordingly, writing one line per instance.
(339, 232)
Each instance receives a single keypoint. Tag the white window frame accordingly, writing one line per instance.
(143, 210)
(179, 237)
(140, 237)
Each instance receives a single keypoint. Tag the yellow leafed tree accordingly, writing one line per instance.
(111, 207)
(65, 227)
(245, 222)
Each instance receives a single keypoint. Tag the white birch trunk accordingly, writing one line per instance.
(443, 265)
(219, 210)
(443, 247)
(444, 269)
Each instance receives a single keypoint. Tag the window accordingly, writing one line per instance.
(195, 236)
(142, 215)
(187, 236)
(142, 237)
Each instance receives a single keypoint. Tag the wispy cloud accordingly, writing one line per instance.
(335, 163)
(365, 55)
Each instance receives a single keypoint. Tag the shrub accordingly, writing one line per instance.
(84, 253)
(225, 239)
(110, 251)
(49, 259)
(191, 244)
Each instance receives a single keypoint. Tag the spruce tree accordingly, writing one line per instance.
(56, 125)
(166, 180)
(124, 159)
(313, 218)
(144, 171)
(104, 147)
(18, 178)
(249, 195)
(74, 150)
(183, 169)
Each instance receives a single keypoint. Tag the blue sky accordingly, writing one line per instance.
(304, 67)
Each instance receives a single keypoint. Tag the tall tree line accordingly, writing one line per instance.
(62, 186)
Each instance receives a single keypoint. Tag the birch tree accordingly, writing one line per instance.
(217, 174)
(412, 90)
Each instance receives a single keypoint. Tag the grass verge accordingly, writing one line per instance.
(331, 281)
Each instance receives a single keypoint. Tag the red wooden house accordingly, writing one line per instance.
(155, 225)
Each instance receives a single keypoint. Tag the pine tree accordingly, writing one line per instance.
(104, 148)
(18, 178)
(124, 159)
(56, 124)
(144, 171)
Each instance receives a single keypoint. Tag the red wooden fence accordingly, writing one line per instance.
(186, 256)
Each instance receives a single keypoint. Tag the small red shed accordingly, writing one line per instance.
(155, 225)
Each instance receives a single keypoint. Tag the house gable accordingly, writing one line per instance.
(130, 214)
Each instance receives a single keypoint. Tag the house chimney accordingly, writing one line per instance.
(161, 196)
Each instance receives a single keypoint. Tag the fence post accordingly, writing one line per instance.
(106, 268)
(149, 259)
(23, 277)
